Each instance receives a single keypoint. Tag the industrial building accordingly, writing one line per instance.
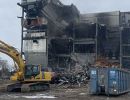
(58, 36)
(111, 46)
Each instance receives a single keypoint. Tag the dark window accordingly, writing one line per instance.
(84, 48)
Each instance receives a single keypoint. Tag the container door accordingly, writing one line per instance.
(102, 77)
(93, 81)
(113, 81)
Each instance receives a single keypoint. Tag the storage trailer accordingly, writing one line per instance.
(109, 81)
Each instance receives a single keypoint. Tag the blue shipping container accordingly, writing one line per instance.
(109, 81)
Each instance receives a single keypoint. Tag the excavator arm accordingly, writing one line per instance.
(16, 56)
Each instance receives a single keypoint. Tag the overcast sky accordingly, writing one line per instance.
(91, 6)
(10, 27)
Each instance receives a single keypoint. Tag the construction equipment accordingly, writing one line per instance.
(27, 77)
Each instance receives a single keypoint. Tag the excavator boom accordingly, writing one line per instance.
(16, 56)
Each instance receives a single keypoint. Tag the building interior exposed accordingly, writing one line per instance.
(59, 36)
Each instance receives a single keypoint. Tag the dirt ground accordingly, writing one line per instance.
(61, 93)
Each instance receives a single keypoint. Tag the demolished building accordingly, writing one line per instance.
(58, 36)
(43, 21)
(117, 26)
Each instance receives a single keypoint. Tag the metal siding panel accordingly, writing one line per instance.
(107, 82)
(36, 58)
(119, 86)
(113, 81)
(121, 82)
(39, 45)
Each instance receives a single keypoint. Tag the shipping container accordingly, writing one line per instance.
(109, 81)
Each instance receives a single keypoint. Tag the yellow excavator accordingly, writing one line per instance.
(26, 77)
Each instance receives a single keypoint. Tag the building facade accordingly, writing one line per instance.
(58, 36)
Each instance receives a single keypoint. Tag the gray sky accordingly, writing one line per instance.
(10, 30)
(91, 6)
(10, 24)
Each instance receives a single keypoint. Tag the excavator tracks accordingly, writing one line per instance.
(28, 87)
(16, 87)
(31, 87)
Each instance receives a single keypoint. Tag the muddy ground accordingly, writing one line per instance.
(61, 93)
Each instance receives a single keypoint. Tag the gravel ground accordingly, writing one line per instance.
(60, 94)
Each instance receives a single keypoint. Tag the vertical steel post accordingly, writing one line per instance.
(96, 39)
(73, 38)
(120, 46)
(22, 30)
(47, 52)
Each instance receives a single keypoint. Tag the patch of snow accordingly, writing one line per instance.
(82, 93)
(70, 90)
(37, 96)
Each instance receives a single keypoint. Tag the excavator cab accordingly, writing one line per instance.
(36, 73)
(32, 72)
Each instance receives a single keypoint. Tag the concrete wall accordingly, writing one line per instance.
(35, 49)
(36, 58)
